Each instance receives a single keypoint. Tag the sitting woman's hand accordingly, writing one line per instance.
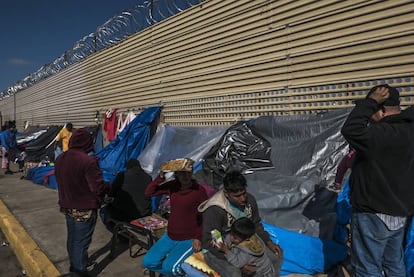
(196, 245)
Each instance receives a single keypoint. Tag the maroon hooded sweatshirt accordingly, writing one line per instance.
(79, 178)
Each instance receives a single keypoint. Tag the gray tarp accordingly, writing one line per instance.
(178, 142)
(305, 150)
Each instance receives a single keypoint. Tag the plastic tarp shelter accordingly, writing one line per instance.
(128, 144)
(41, 147)
(288, 163)
(171, 142)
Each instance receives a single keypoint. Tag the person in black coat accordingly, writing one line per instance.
(381, 182)
(127, 199)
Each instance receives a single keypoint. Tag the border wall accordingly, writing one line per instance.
(223, 61)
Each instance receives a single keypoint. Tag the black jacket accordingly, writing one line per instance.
(128, 190)
(382, 178)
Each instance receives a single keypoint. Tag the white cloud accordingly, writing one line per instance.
(18, 61)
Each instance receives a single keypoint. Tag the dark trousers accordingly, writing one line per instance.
(79, 237)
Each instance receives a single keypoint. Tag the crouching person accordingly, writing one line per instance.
(242, 246)
(220, 211)
(183, 236)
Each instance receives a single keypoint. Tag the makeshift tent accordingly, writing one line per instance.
(41, 147)
(172, 142)
(30, 134)
(288, 163)
(128, 144)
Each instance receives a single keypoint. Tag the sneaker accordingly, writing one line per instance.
(334, 188)
(8, 172)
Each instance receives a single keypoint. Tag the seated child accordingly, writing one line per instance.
(242, 246)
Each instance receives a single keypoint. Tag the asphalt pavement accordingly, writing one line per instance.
(36, 232)
(9, 264)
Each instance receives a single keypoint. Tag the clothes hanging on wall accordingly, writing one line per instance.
(123, 122)
(110, 124)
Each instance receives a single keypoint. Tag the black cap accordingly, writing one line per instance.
(393, 99)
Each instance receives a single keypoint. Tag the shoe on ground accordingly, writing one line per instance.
(8, 172)
(334, 188)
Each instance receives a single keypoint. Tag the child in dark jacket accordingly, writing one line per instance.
(242, 246)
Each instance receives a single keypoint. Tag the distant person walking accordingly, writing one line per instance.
(8, 146)
(381, 181)
(81, 192)
(64, 136)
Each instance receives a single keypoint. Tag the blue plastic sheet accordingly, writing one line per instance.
(343, 211)
(128, 144)
(37, 174)
(409, 251)
(305, 254)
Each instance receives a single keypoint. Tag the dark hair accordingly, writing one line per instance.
(11, 124)
(69, 126)
(234, 181)
(394, 95)
(132, 163)
(243, 227)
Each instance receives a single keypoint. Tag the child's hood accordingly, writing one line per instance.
(254, 244)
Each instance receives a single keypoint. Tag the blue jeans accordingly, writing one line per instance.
(376, 249)
(167, 255)
(79, 237)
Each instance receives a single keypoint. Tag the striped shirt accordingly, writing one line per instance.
(393, 222)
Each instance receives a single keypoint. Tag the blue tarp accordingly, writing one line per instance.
(409, 251)
(343, 211)
(37, 174)
(128, 144)
(305, 254)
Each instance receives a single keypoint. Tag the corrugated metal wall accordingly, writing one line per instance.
(236, 59)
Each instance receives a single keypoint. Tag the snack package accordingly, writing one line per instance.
(177, 165)
(155, 223)
(216, 237)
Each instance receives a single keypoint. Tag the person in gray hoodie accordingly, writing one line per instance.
(243, 246)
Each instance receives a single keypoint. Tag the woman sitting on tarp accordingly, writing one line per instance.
(183, 236)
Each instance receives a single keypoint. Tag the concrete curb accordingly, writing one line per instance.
(29, 254)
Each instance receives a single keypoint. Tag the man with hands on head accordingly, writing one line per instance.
(381, 182)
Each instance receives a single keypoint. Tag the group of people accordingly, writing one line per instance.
(381, 194)
(10, 151)
(194, 215)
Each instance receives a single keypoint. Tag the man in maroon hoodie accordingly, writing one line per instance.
(81, 191)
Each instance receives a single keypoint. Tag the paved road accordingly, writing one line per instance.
(9, 265)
